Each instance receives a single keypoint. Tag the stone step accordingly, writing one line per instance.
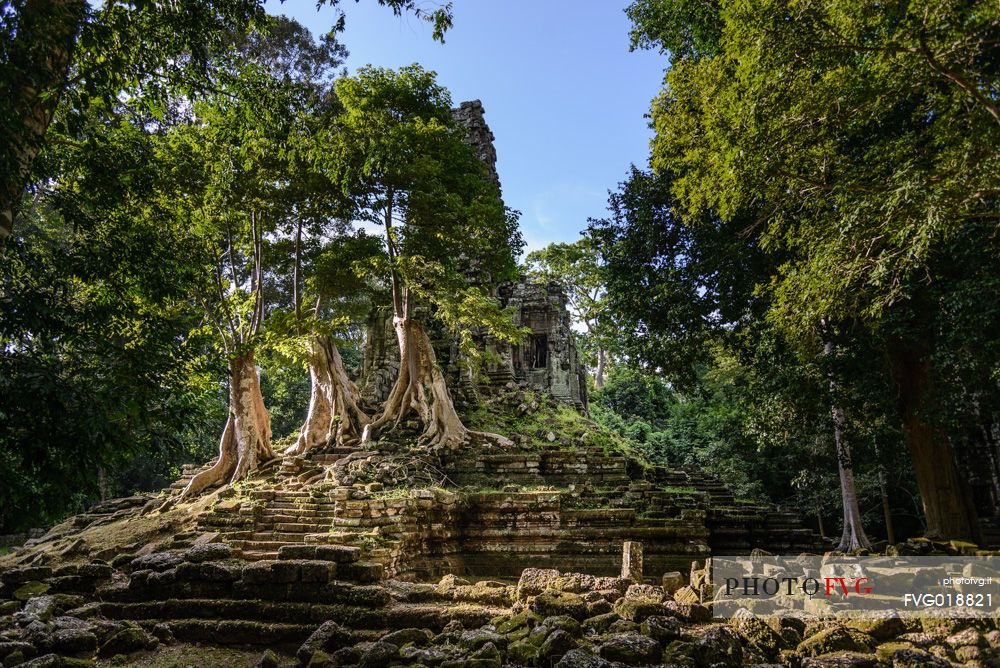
(265, 545)
(310, 527)
(272, 513)
(275, 536)
(272, 623)
(270, 517)
(288, 505)
(258, 555)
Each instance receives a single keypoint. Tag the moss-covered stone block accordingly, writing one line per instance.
(523, 653)
(30, 590)
(555, 603)
(836, 639)
(879, 628)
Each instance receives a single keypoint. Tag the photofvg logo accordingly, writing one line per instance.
(856, 586)
(771, 586)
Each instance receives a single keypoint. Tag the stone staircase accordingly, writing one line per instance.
(290, 504)
(298, 543)
(547, 505)
(209, 594)
(736, 526)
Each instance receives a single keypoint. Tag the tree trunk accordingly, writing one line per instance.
(883, 488)
(246, 438)
(38, 65)
(334, 414)
(421, 388)
(853, 536)
(102, 483)
(947, 503)
(890, 533)
(602, 361)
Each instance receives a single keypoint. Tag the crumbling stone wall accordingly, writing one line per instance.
(380, 363)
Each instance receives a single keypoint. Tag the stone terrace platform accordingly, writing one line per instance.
(497, 513)
(328, 537)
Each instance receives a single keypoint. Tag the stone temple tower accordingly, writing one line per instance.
(473, 117)
(548, 359)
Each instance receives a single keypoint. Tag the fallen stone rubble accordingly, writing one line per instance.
(76, 615)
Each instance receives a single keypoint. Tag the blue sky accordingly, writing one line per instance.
(563, 95)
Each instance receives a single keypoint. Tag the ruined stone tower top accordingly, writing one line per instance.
(472, 115)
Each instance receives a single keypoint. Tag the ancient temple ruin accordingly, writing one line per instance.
(335, 533)
(548, 359)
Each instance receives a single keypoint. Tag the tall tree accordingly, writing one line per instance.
(341, 290)
(865, 137)
(853, 536)
(312, 255)
(103, 362)
(398, 153)
(233, 179)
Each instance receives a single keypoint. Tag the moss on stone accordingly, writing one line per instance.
(523, 653)
(30, 590)
(880, 628)
(836, 639)
(759, 635)
(555, 603)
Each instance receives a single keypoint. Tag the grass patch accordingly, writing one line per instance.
(181, 655)
(393, 494)
(499, 414)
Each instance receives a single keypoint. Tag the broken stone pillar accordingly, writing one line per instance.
(701, 579)
(632, 560)
(472, 116)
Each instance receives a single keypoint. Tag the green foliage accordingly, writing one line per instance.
(176, 171)
(866, 133)
(753, 429)
(636, 396)
(716, 385)
(239, 171)
(843, 154)
(681, 28)
(286, 388)
(673, 287)
(577, 267)
(102, 361)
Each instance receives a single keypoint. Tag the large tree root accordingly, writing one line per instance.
(334, 411)
(246, 438)
(421, 388)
